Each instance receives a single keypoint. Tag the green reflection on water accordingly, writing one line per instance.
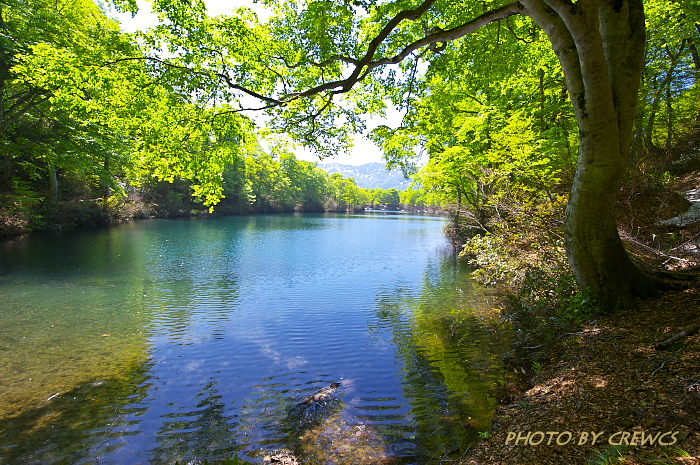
(452, 344)
(68, 318)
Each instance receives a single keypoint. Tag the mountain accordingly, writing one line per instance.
(369, 175)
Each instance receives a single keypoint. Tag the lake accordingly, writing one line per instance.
(340, 338)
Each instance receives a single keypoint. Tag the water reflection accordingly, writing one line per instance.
(214, 332)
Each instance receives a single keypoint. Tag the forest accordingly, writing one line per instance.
(94, 132)
(562, 137)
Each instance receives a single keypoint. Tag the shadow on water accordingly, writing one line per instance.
(204, 434)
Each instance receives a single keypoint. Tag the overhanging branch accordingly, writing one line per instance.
(362, 67)
(366, 64)
(455, 33)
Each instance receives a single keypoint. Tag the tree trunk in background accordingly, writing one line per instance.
(600, 45)
(696, 56)
(53, 182)
(107, 187)
(6, 172)
(669, 116)
(665, 86)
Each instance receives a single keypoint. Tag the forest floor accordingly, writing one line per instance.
(609, 380)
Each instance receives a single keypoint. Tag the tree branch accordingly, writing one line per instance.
(221, 74)
(455, 33)
(333, 59)
(443, 36)
(672, 340)
(357, 75)
(564, 47)
(367, 63)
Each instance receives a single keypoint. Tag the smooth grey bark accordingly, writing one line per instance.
(600, 45)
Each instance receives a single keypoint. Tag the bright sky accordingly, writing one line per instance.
(363, 151)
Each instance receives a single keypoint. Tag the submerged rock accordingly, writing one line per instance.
(313, 409)
(283, 457)
(321, 395)
(337, 442)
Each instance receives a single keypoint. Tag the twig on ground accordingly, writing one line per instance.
(683, 334)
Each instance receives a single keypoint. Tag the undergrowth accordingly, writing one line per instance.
(524, 257)
(621, 455)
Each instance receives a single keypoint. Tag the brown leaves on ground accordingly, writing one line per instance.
(609, 379)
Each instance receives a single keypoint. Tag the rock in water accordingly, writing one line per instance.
(320, 395)
(312, 409)
(283, 457)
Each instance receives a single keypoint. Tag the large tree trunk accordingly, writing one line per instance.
(600, 45)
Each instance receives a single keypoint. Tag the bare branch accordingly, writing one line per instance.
(322, 64)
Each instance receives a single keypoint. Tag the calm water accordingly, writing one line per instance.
(180, 340)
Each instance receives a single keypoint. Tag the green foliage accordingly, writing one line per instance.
(537, 366)
(612, 455)
(345, 194)
(608, 456)
(89, 110)
(82, 100)
(670, 81)
(524, 256)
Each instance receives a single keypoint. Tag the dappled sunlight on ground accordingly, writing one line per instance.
(610, 380)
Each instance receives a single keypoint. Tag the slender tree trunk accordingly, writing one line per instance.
(696, 56)
(669, 116)
(694, 50)
(53, 182)
(600, 44)
(107, 187)
(664, 87)
(649, 130)
(638, 138)
(6, 171)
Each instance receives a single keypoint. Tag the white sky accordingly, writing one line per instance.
(363, 151)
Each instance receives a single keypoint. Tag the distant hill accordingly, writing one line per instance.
(369, 175)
